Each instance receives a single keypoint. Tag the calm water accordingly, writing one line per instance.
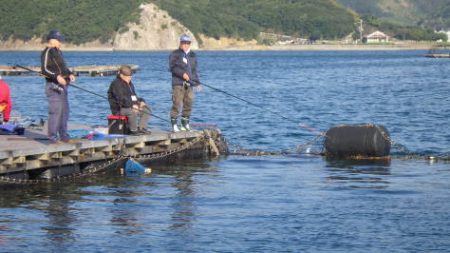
(254, 204)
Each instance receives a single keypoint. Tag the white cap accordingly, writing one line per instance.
(185, 38)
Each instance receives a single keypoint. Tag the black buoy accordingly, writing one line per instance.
(357, 141)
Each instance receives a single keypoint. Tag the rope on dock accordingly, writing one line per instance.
(311, 147)
(316, 147)
(209, 142)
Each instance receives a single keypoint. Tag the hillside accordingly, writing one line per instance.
(245, 19)
(434, 14)
(87, 20)
(124, 24)
(80, 21)
(154, 30)
(404, 19)
(313, 19)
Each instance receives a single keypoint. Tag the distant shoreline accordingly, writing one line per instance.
(313, 47)
(345, 47)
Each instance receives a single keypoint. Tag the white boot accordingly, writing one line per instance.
(174, 125)
(185, 124)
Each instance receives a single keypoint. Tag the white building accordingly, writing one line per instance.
(377, 37)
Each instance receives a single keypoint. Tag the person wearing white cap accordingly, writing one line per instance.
(5, 100)
(183, 66)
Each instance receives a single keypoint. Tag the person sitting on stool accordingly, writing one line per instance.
(5, 101)
(124, 101)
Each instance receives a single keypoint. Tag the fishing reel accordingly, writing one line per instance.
(56, 87)
(186, 84)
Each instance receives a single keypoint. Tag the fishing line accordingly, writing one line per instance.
(88, 91)
(302, 125)
(443, 156)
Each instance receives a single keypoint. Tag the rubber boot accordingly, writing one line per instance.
(185, 124)
(174, 125)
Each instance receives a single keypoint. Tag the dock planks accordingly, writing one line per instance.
(32, 151)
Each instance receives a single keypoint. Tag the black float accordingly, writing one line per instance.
(357, 141)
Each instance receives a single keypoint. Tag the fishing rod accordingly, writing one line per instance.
(88, 91)
(305, 126)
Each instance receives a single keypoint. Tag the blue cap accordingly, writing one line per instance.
(54, 34)
(185, 38)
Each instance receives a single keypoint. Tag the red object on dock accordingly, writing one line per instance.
(118, 124)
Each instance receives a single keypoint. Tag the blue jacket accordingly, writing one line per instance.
(180, 63)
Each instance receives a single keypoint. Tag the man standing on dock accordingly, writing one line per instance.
(5, 101)
(124, 101)
(183, 65)
(58, 76)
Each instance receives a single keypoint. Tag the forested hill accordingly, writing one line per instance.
(434, 14)
(87, 20)
(80, 21)
(313, 19)
(319, 18)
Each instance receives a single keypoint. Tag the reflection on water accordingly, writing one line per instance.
(360, 173)
(123, 215)
(183, 209)
(242, 204)
(52, 212)
(185, 185)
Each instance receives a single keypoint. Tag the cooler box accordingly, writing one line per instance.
(118, 124)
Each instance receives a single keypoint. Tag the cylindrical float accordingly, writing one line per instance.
(356, 141)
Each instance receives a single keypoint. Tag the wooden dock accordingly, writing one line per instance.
(31, 158)
(438, 55)
(440, 51)
(91, 70)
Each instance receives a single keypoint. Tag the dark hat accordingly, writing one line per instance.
(125, 70)
(185, 38)
(54, 34)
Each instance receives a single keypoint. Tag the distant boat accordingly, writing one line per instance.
(438, 52)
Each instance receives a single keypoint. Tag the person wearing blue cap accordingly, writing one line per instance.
(183, 65)
(58, 76)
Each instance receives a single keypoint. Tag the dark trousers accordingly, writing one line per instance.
(134, 116)
(58, 112)
(182, 99)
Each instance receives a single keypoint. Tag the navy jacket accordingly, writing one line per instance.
(119, 95)
(180, 63)
(53, 64)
